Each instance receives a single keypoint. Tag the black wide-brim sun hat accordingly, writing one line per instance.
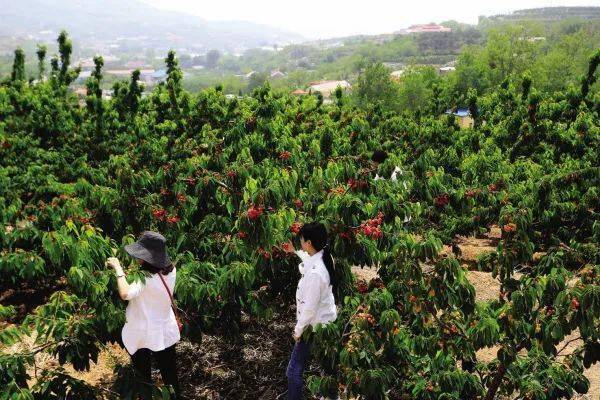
(152, 248)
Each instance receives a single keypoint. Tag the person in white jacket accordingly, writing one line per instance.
(151, 329)
(315, 303)
(378, 157)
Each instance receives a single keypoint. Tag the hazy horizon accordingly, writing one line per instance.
(326, 19)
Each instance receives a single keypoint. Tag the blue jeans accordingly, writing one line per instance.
(295, 370)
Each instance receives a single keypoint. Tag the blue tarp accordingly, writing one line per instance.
(160, 74)
(461, 112)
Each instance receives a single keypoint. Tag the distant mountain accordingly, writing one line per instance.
(108, 20)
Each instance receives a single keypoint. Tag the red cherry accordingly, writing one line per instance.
(254, 212)
(266, 255)
(190, 181)
(295, 228)
(286, 247)
(442, 200)
(362, 286)
(575, 304)
(510, 227)
(173, 219)
(159, 213)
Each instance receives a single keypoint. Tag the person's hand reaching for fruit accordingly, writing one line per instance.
(288, 247)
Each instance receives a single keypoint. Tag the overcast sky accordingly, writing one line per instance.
(328, 18)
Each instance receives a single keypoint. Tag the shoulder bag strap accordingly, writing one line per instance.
(171, 298)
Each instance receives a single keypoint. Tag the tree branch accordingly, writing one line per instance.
(566, 344)
(497, 380)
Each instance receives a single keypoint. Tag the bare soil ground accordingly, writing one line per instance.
(217, 369)
(214, 369)
(100, 374)
(472, 247)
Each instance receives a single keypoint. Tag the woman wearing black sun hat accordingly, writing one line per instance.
(151, 327)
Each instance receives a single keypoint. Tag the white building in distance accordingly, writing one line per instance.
(327, 87)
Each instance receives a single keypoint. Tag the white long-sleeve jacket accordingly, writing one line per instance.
(397, 171)
(151, 323)
(314, 297)
(394, 178)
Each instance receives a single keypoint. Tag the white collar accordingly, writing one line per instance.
(316, 256)
(310, 261)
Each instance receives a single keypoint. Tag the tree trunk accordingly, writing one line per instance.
(493, 388)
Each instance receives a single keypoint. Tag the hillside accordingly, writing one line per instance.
(548, 14)
(101, 22)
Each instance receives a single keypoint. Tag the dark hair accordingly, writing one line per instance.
(317, 234)
(146, 266)
(379, 156)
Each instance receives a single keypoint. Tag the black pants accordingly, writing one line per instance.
(167, 364)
